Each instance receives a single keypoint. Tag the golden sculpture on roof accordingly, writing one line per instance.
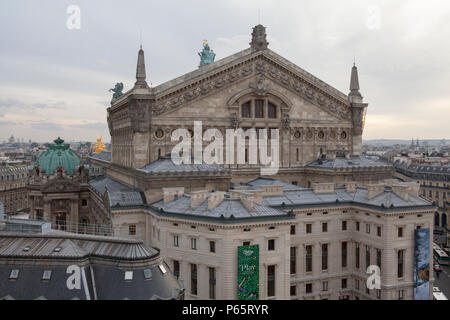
(99, 146)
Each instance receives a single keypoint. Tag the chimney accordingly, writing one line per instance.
(257, 195)
(215, 198)
(401, 190)
(170, 193)
(197, 197)
(350, 186)
(325, 187)
(374, 190)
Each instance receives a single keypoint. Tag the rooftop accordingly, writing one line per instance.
(119, 194)
(349, 163)
(166, 165)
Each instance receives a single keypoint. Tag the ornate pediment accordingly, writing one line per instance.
(265, 68)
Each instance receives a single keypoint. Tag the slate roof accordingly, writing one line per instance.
(423, 171)
(165, 165)
(308, 197)
(2, 211)
(102, 156)
(119, 194)
(353, 162)
(225, 209)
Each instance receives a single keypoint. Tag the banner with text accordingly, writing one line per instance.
(422, 264)
(248, 272)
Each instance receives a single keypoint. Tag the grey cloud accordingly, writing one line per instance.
(11, 104)
(46, 126)
(8, 123)
(99, 126)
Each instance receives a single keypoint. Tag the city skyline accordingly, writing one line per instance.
(55, 81)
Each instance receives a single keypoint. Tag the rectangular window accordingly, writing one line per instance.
(356, 284)
(193, 243)
(308, 228)
(400, 262)
(259, 108)
(176, 269)
(378, 294)
(344, 283)
(400, 295)
(147, 274)
(246, 243)
(324, 285)
(132, 229)
(175, 241)
(324, 227)
(379, 258)
(272, 110)
(293, 291)
(193, 279)
(344, 225)
(293, 260)
(367, 228)
(212, 246)
(245, 110)
(308, 288)
(293, 229)
(308, 259)
(84, 202)
(325, 256)
(297, 154)
(367, 257)
(344, 254)
(357, 255)
(400, 232)
(271, 281)
(379, 231)
(271, 244)
(212, 283)
(357, 225)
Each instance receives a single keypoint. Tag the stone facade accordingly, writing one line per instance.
(13, 191)
(254, 88)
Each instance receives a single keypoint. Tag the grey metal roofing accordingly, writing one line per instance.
(350, 163)
(226, 208)
(103, 156)
(104, 279)
(166, 165)
(12, 244)
(258, 182)
(360, 195)
(119, 194)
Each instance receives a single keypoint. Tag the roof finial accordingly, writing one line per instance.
(354, 83)
(140, 70)
(259, 41)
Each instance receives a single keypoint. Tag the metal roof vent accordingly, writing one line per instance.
(26, 249)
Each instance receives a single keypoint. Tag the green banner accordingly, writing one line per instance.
(248, 272)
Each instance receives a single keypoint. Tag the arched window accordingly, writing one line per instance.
(259, 108)
(271, 110)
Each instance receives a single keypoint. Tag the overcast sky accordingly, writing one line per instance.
(54, 81)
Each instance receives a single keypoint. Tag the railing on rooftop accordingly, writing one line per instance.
(83, 228)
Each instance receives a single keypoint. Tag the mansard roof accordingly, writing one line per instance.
(104, 156)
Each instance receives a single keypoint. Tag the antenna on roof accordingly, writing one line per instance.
(354, 56)
(140, 37)
(259, 16)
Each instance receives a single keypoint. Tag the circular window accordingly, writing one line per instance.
(159, 133)
(343, 135)
(297, 134)
(321, 135)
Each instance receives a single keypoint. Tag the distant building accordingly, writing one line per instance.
(13, 188)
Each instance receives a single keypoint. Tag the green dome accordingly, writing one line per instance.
(58, 154)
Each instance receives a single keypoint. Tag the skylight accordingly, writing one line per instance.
(128, 275)
(163, 269)
(47, 275)
(14, 274)
(147, 274)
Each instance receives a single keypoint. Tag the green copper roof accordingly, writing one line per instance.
(58, 154)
